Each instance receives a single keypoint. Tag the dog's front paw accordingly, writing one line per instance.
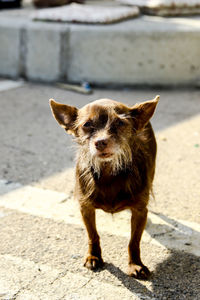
(93, 262)
(139, 272)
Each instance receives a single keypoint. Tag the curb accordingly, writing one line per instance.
(147, 50)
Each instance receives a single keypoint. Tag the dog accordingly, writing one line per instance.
(115, 167)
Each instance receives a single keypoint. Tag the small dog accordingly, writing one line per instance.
(115, 167)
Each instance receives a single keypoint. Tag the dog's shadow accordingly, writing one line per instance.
(176, 277)
(130, 283)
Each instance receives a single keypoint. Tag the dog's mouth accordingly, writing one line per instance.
(105, 155)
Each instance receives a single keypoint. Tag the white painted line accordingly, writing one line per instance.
(161, 230)
(173, 233)
(7, 186)
(2, 214)
(10, 84)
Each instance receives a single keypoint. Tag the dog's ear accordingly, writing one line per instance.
(65, 115)
(141, 113)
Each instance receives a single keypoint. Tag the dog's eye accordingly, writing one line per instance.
(120, 122)
(87, 124)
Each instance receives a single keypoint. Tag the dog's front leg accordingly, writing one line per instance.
(94, 259)
(136, 268)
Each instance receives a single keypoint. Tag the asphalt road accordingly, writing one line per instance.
(43, 242)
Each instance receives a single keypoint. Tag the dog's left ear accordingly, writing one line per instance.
(65, 115)
(141, 113)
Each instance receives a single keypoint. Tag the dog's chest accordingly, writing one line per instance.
(114, 194)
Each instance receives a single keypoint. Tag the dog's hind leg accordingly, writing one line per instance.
(93, 259)
(136, 268)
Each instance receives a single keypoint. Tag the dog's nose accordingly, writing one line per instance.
(101, 144)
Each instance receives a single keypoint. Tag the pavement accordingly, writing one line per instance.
(43, 241)
(147, 50)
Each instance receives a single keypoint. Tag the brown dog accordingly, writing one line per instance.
(115, 167)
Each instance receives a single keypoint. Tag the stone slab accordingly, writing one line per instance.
(46, 51)
(148, 50)
(10, 40)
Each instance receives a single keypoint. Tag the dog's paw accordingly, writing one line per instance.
(93, 262)
(139, 272)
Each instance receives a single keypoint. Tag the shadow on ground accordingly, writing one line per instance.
(177, 277)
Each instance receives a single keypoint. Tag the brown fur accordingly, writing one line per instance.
(115, 167)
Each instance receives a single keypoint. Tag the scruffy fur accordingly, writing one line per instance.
(115, 167)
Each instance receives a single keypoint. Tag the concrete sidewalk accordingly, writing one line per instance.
(43, 242)
(147, 50)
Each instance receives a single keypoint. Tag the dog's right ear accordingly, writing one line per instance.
(65, 115)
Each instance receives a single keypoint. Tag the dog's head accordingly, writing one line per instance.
(105, 129)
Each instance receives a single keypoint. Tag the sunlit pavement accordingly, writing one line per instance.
(43, 241)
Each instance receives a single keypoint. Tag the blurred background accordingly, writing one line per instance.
(155, 42)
